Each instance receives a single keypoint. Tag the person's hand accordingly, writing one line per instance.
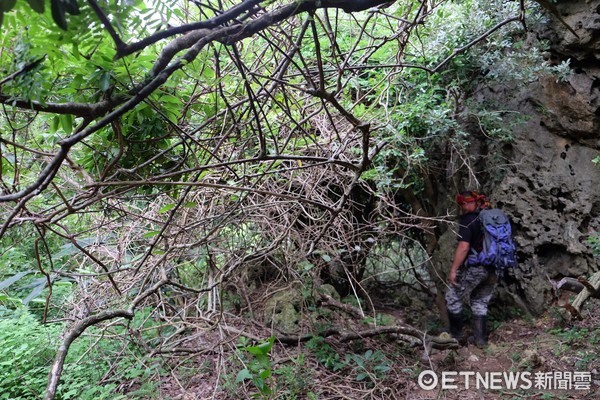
(452, 277)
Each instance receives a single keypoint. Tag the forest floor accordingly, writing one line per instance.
(554, 358)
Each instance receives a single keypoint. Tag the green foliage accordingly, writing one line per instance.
(294, 380)
(575, 335)
(205, 125)
(23, 369)
(258, 367)
(21, 281)
(515, 357)
(27, 352)
(59, 9)
(371, 366)
(325, 354)
(581, 342)
(28, 349)
(594, 242)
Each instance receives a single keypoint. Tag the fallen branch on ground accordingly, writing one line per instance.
(429, 342)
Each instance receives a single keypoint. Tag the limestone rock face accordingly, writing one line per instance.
(554, 193)
(549, 185)
(553, 199)
(583, 17)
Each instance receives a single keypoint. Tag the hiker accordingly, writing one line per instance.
(467, 278)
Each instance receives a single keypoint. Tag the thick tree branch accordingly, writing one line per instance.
(107, 25)
(83, 110)
(474, 42)
(80, 327)
(211, 23)
(231, 15)
(195, 42)
(250, 28)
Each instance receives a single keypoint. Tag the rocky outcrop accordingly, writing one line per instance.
(546, 180)
(581, 41)
(553, 193)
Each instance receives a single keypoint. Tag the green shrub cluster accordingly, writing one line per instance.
(28, 349)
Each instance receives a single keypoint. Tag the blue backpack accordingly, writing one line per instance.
(499, 248)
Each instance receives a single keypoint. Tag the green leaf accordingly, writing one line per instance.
(55, 124)
(166, 208)
(261, 349)
(77, 81)
(167, 98)
(60, 8)
(254, 350)
(36, 282)
(6, 283)
(66, 122)
(150, 234)
(71, 6)
(361, 376)
(35, 292)
(267, 346)
(70, 249)
(265, 373)
(243, 375)
(105, 81)
(58, 14)
(382, 368)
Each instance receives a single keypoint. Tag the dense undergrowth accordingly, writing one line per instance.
(96, 367)
(320, 368)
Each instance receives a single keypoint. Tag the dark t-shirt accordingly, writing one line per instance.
(470, 231)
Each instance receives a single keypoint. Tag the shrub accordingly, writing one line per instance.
(28, 349)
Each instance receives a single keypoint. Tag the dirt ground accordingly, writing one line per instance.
(547, 350)
(526, 347)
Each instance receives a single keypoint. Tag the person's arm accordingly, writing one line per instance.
(462, 250)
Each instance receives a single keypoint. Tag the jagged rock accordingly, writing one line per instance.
(281, 310)
(328, 290)
(583, 17)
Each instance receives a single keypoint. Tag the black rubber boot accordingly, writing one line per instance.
(456, 327)
(480, 330)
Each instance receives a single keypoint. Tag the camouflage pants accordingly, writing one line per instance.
(475, 283)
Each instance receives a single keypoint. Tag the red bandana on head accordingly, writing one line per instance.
(468, 198)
